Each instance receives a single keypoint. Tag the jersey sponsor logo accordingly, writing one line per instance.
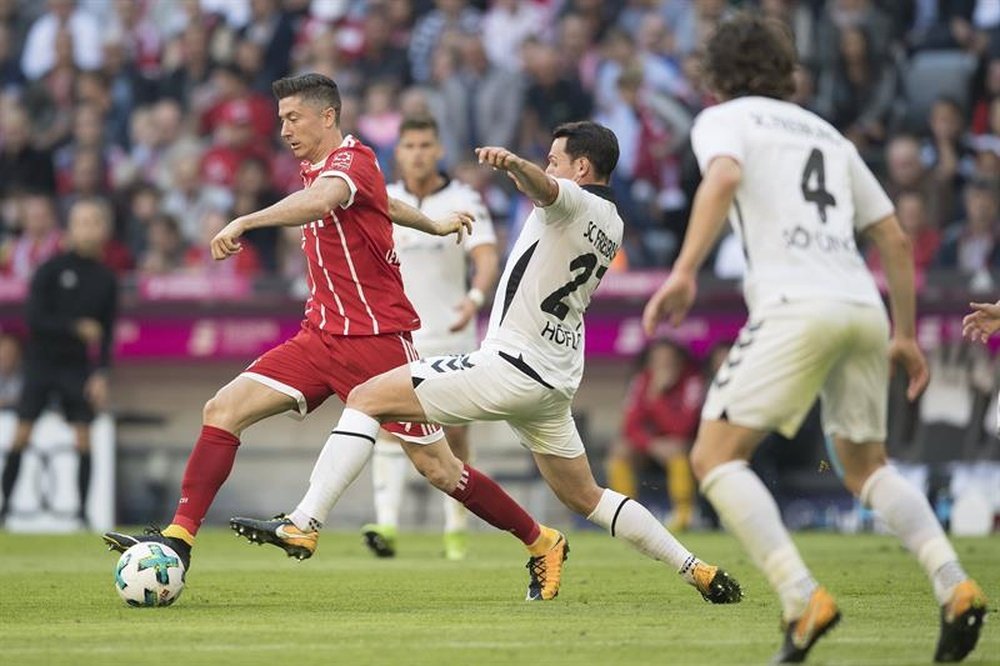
(800, 238)
(606, 247)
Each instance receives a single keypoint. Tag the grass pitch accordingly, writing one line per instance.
(248, 605)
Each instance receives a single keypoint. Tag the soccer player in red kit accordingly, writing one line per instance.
(357, 325)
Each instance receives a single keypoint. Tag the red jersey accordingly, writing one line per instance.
(675, 412)
(355, 285)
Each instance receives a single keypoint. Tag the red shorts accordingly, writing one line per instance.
(314, 365)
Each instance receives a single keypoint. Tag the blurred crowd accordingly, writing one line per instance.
(164, 108)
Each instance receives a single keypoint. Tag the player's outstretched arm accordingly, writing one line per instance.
(711, 205)
(896, 254)
(538, 186)
(298, 208)
(405, 215)
(982, 322)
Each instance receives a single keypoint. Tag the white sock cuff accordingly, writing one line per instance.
(607, 509)
(883, 472)
(720, 471)
(357, 423)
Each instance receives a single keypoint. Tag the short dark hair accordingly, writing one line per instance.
(418, 122)
(595, 142)
(750, 55)
(314, 88)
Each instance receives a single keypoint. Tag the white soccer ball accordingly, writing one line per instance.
(149, 574)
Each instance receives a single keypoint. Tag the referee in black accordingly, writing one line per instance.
(70, 311)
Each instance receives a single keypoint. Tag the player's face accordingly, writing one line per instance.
(561, 165)
(88, 230)
(304, 126)
(418, 153)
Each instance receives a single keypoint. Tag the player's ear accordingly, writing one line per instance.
(582, 168)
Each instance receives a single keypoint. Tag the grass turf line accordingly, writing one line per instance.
(246, 605)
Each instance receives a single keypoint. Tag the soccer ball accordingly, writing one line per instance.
(149, 574)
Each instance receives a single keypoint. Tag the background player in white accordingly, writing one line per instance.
(435, 274)
(531, 362)
(796, 192)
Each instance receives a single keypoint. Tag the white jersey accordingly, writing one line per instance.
(435, 268)
(556, 264)
(805, 192)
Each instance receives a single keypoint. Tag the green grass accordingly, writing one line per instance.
(248, 605)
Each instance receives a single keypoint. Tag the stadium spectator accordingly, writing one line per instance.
(580, 54)
(187, 66)
(692, 22)
(914, 217)
(63, 20)
(11, 372)
(11, 77)
(39, 238)
(906, 171)
(139, 205)
(857, 91)
(189, 196)
(449, 16)
(381, 59)
(973, 245)
(946, 151)
(661, 415)
(165, 248)
(22, 165)
(252, 191)
(198, 257)
(506, 24)
(70, 313)
(379, 122)
(270, 30)
(482, 102)
(551, 99)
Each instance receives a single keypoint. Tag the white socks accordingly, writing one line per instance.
(909, 516)
(749, 512)
(389, 468)
(343, 457)
(627, 519)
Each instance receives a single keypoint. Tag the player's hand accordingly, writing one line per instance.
(498, 158)
(89, 330)
(982, 322)
(458, 223)
(465, 310)
(907, 353)
(226, 243)
(673, 299)
(96, 391)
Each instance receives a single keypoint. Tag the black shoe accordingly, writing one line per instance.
(961, 621)
(716, 585)
(820, 616)
(121, 542)
(279, 531)
(380, 539)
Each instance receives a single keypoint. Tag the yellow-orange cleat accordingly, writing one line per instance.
(545, 571)
(961, 621)
(716, 585)
(820, 616)
(280, 531)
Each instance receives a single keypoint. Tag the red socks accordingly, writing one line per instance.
(207, 469)
(482, 496)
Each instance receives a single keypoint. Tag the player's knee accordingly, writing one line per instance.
(361, 398)
(581, 500)
(436, 472)
(218, 411)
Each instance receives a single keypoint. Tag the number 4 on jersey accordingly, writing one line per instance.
(818, 195)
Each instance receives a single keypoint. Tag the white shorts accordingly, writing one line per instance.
(494, 386)
(790, 353)
(458, 344)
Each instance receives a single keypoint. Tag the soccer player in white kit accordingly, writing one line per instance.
(796, 192)
(529, 366)
(434, 278)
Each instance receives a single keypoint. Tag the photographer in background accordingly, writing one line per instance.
(70, 315)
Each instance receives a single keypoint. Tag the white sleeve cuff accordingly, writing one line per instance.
(347, 179)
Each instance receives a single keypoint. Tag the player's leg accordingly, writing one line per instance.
(769, 382)
(389, 468)
(456, 517)
(908, 514)
(34, 397)
(854, 415)
(558, 451)
(620, 468)
(80, 414)
(673, 457)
